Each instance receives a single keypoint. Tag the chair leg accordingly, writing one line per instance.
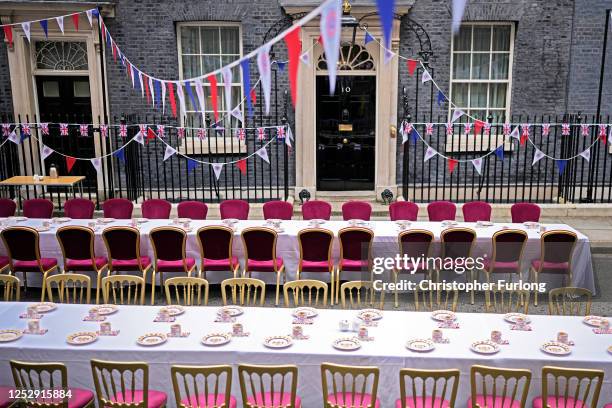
(152, 287)
(395, 276)
(98, 284)
(338, 271)
(332, 286)
(277, 287)
(44, 286)
(535, 280)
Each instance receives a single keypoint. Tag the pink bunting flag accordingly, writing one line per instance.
(602, 133)
(241, 133)
(201, 133)
(467, 128)
(545, 129)
(6, 129)
(180, 132)
(104, 130)
(584, 130)
(161, 131)
(524, 133)
(280, 132)
(487, 129)
(123, 130)
(84, 130)
(261, 133)
(449, 129)
(63, 129)
(506, 129)
(331, 27)
(44, 128)
(565, 129)
(429, 129)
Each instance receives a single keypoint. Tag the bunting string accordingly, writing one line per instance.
(93, 11)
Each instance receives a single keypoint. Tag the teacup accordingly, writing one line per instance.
(562, 337)
(345, 325)
(34, 325)
(237, 328)
(363, 332)
(437, 335)
(496, 336)
(297, 331)
(32, 311)
(92, 225)
(604, 325)
(520, 321)
(93, 314)
(163, 315)
(175, 329)
(105, 327)
(301, 315)
(46, 224)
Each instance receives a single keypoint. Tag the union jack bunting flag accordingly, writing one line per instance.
(584, 130)
(280, 132)
(487, 129)
(545, 129)
(467, 128)
(408, 128)
(84, 130)
(123, 130)
(6, 129)
(180, 132)
(449, 129)
(44, 128)
(201, 133)
(507, 129)
(161, 131)
(25, 129)
(261, 133)
(143, 129)
(565, 129)
(602, 130)
(241, 133)
(429, 129)
(525, 129)
(104, 130)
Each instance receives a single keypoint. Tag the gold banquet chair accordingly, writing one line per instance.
(203, 386)
(10, 288)
(123, 290)
(498, 387)
(307, 292)
(244, 291)
(188, 291)
(361, 294)
(70, 288)
(569, 301)
(265, 386)
(414, 386)
(498, 299)
(349, 386)
(569, 387)
(436, 298)
(414, 244)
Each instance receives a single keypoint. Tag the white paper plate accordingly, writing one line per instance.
(45, 307)
(18, 218)
(104, 310)
(106, 220)
(420, 345)
(233, 310)
(555, 348)
(374, 314)
(42, 229)
(346, 344)
(152, 339)
(316, 221)
(511, 317)
(594, 321)
(310, 312)
(173, 310)
(142, 220)
(81, 338)
(62, 219)
(278, 342)
(442, 315)
(610, 349)
(484, 347)
(216, 339)
(10, 335)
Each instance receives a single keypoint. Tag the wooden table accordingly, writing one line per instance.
(61, 181)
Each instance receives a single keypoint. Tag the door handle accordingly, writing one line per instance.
(393, 131)
(345, 140)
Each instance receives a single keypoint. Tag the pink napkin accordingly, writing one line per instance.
(110, 333)
(40, 332)
(524, 328)
(602, 331)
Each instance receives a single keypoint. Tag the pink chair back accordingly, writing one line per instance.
(215, 242)
(259, 244)
(122, 243)
(475, 211)
(524, 212)
(21, 243)
(403, 210)
(38, 208)
(156, 209)
(441, 211)
(316, 209)
(508, 245)
(77, 242)
(7, 207)
(238, 209)
(119, 208)
(196, 210)
(315, 245)
(355, 243)
(79, 209)
(415, 243)
(457, 242)
(168, 243)
(281, 210)
(356, 210)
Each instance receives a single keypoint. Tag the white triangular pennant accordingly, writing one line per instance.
(170, 151)
(217, 168)
(227, 86)
(537, 156)
(46, 152)
(237, 113)
(141, 80)
(60, 23)
(89, 17)
(457, 114)
(515, 133)
(201, 100)
(152, 90)
(477, 163)
(388, 56)
(163, 96)
(263, 153)
(289, 137)
(610, 136)
(429, 153)
(26, 29)
(586, 154)
(305, 57)
(97, 164)
(181, 96)
(139, 137)
(265, 72)
(331, 27)
(13, 137)
(426, 77)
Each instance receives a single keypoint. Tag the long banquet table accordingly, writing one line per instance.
(386, 351)
(384, 245)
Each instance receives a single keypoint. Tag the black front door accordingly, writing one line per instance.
(346, 136)
(66, 99)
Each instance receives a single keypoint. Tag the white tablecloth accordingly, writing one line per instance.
(385, 245)
(387, 351)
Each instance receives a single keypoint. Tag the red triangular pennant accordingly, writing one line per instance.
(452, 163)
(70, 163)
(128, 68)
(8, 34)
(253, 96)
(320, 40)
(150, 134)
(294, 46)
(523, 139)
(114, 46)
(478, 125)
(241, 164)
(103, 30)
(212, 80)
(75, 21)
(172, 99)
(412, 64)
(145, 80)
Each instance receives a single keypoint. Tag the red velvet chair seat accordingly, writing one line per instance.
(156, 398)
(559, 402)
(501, 267)
(346, 400)
(315, 266)
(550, 267)
(175, 266)
(80, 398)
(220, 264)
(355, 265)
(500, 402)
(207, 401)
(32, 266)
(85, 264)
(5, 402)
(264, 266)
(130, 264)
(418, 402)
(269, 400)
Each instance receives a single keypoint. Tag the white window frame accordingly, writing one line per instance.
(507, 81)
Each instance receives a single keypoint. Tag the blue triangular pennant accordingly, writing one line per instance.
(108, 38)
(499, 152)
(281, 65)
(135, 76)
(368, 38)
(414, 136)
(120, 155)
(95, 13)
(441, 98)
(192, 97)
(45, 26)
(561, 165)
(246, 79)
(191, 164)
(158, 92)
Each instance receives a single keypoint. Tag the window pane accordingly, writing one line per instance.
(51, 89)
(81, 89)
(498, 115)
(460, 95)
(482, 38)
(230, 43)
(497, 96)
(461, 69)
(210, 40)
(191, 66)
(480, 66)
(478, 96)
(499, 66)
(479, 114)
(210, 63)
(501, 38)
(189, 40)
(462, 41)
